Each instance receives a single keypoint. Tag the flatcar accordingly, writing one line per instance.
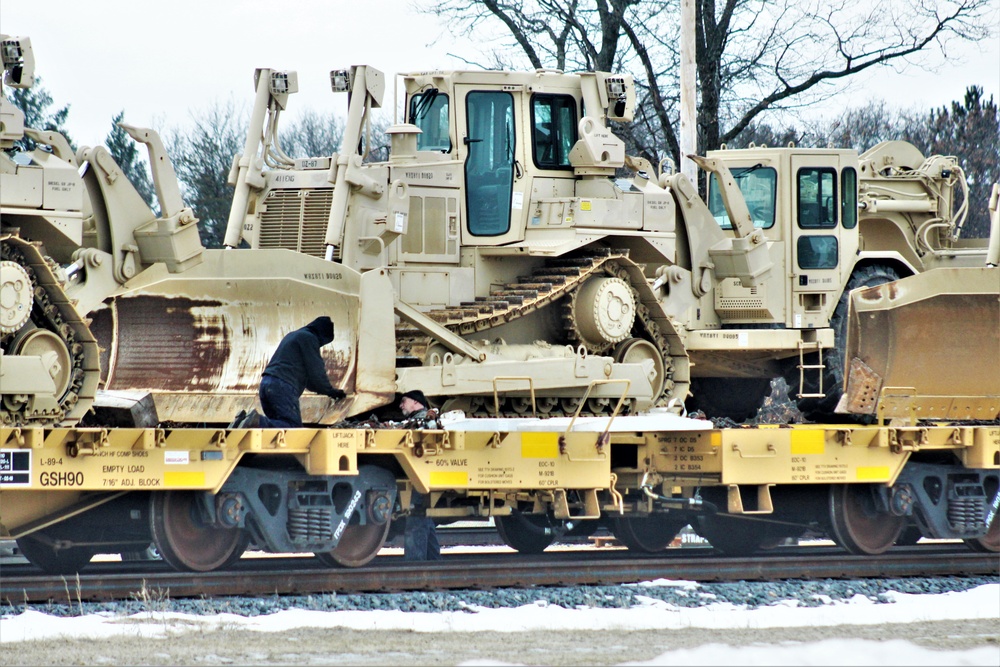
(202, 496)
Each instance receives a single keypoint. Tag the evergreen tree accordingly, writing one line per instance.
(969, 130)
(35, 103)
(125, 152)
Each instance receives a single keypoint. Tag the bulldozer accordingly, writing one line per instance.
(507, 258)
(517, 251)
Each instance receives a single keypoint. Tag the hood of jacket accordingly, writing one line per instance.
(322, 328)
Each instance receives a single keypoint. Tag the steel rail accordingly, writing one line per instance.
(302, 576)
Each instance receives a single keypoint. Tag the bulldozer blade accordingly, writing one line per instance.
(926, 346)
(201, 355)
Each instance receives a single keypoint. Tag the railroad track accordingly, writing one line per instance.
(254, 576)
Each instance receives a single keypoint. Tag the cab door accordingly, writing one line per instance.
(487, 134)
(824, 236)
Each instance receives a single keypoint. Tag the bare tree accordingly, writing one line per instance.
(754, 56)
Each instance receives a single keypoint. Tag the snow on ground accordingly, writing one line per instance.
(982, 602)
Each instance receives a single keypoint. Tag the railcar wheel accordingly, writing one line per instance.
(185, 541)
(858, 523)
(45, 555)
(358, 545)
(646, 534)
(990, 542)
(525, 533)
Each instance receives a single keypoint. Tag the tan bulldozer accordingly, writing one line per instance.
(508, 257)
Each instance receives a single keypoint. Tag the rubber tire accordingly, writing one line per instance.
(649, 534)
(525, 533)
(45, 557)
(738, 399)
(737, 537)
(822, 409)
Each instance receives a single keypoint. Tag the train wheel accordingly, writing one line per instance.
(859, 524)
(646, 534)
(990, 542)
(525, 533)
(358, 545)
(183, 538)
(43, 554)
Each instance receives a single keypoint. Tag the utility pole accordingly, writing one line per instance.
(689, 127)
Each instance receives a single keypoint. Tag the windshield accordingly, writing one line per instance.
(429, 112)
(759, 187)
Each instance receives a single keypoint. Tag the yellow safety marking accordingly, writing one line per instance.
(873, 473)
(184, 479)
(539, 445)
(808, 442)
(455, 479)
(716, 439)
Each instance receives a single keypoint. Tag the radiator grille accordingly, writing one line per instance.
(296, 219)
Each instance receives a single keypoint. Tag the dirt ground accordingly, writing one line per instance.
(310, 646)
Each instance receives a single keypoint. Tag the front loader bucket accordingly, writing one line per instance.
(926, 346)
(198, 341)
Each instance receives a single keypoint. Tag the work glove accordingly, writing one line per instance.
(337, 394)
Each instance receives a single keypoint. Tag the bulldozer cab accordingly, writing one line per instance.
(805, 202)
(508, 139)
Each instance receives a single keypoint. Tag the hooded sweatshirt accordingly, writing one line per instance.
(297, 359)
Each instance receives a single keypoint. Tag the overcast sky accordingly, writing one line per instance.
(162, 61)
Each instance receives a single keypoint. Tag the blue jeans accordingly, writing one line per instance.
(420, 542)
(280, 403)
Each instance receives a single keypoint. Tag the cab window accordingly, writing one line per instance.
(554, 123)
(849, 197)
(817, 252)
(759, 187)
(429, 112)
(489, 165)
(817, 198)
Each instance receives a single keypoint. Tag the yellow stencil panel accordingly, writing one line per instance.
(451, 479)
(539, 445)
(811, 441)
(873, 473)
(184, 479)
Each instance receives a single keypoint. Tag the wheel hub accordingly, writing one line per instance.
(15, 297)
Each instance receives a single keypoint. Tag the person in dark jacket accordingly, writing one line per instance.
(420, 541)
(294, 367)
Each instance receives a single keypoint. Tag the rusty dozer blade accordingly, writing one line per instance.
(926, 346)
(201, 355)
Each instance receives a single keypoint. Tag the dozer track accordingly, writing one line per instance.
(52, 313)
(553, 284)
